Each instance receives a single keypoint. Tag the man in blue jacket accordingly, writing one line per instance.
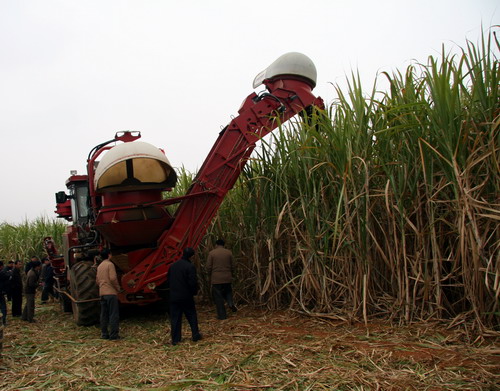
(183, 285)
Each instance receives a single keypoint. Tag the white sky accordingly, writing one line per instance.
(72, 73)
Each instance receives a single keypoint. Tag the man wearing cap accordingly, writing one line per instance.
(183, 285)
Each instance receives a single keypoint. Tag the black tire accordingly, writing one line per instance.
(83, 287)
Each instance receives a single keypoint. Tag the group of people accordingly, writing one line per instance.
(183, 286)
(13, 289)
(182, 281)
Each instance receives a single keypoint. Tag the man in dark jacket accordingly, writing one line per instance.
(8, 269)
(183, 285)
(30, 291)
(220, 267)
(47, 276)
(17, 289)
(4, 283)
(30, 263)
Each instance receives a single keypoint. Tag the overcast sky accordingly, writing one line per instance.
(72, 73)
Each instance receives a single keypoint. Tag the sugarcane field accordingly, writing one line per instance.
(350, 244)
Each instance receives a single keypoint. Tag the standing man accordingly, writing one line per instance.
(220, 267)
(48, 282)
(30, 291)
(8, 270)
(107, 280)
(4, 286)
(183, 284)
(17, 289)
(43, 275)
(29, 264)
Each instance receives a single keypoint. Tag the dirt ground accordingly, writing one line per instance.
(253, 349)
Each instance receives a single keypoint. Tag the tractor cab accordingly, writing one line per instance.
(75, 205)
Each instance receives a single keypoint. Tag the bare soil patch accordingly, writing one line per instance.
(253, 349)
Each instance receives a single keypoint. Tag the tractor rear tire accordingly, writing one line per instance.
(83, 287)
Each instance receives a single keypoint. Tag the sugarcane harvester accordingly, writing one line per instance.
(119, 203)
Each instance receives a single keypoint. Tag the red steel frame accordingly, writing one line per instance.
(258, 116)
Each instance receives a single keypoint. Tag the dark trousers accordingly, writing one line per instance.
(47, 290)
(222, 293)
(110, 316)
(188, 308)
(29, 307)
(3, 308)
(17, 302)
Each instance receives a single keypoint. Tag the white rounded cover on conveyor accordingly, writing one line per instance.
(292, 63)
(134, 166)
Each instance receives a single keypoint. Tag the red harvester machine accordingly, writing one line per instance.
(119, 204)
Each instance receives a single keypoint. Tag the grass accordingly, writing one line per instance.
(253, 349)
(21, 241)
(386, 204)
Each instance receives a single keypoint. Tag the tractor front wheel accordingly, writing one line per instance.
(86, 293)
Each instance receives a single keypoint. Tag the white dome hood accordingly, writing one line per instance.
(133, 166)
(292, 63)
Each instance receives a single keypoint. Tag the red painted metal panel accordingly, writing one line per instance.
(257, 117)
